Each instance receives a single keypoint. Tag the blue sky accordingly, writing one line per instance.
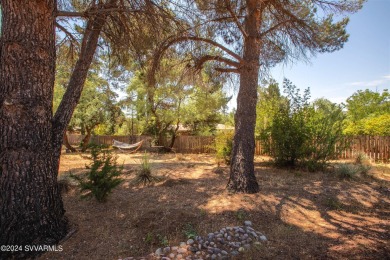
(363, 63)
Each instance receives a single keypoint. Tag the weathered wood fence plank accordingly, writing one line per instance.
(375, 147)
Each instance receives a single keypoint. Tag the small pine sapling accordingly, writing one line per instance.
(102, 177)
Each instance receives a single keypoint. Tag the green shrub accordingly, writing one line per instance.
(102, 177)
(144, 173)
(288, 132)
(224, 146)
(302, 133)
(346, 171)
(314, 165)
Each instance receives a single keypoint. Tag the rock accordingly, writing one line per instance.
(263, 238)
(234, 253)
(159, 252)
(182, 250)
(217, 250)
(223, 244)
(193, 249)
(248, 223)
(250, 229)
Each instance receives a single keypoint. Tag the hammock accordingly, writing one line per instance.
(126, 146)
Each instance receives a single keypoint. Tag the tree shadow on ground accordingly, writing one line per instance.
(303, 215)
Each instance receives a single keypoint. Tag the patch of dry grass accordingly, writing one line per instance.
(304, 215)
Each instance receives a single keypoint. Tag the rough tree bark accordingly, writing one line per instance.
(67, 144)
(86, 139)
(242, 177)
(31, 208)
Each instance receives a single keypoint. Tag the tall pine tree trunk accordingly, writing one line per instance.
(31, 208)
(242, 177)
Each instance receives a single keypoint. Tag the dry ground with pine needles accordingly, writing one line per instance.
(304, 215)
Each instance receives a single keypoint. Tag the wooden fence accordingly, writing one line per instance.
(375, 147)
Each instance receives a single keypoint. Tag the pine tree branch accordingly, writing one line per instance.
(234, 16)
(69, 34)
(227, 70)
(199, 63)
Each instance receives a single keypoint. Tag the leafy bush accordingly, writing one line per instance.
(286, 136)
(144, 174)
(103, 175)
(303, 133)
(224, 146)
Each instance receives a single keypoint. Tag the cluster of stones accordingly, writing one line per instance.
(222, 244)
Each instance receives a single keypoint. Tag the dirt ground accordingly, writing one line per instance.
(304, 215)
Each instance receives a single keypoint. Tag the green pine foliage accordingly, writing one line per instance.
(102, 177)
